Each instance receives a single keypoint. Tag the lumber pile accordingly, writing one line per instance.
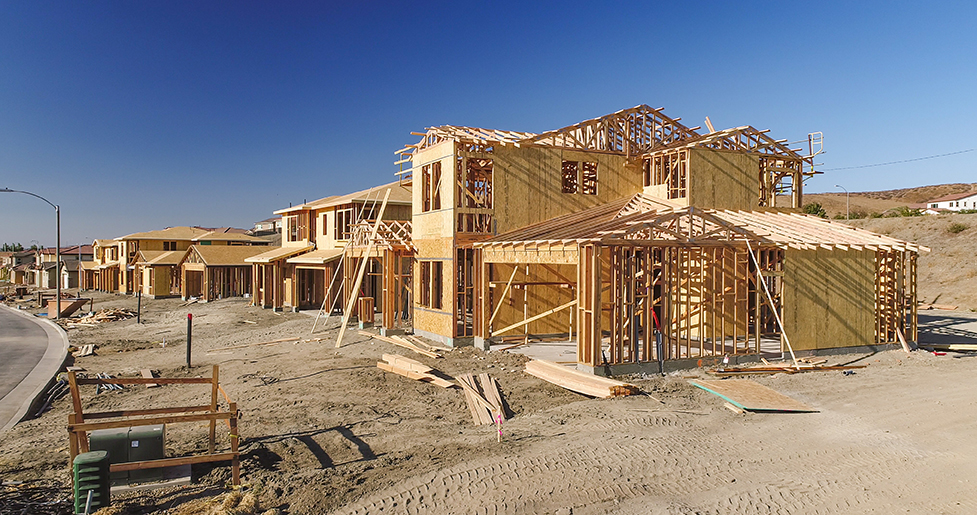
(484, 398)
(402, 342)
(412, 369)
(802, 365)
(953, 347)
(104, 315)
(85, 350)
(580, 382)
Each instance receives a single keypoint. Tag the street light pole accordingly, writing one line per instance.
(847, 202)
(57, 252)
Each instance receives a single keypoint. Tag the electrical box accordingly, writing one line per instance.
(145, 444)
(116, 443)
(140, 443)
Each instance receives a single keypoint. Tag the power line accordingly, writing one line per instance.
(898, 162)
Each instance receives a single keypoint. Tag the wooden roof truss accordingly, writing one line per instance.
(391, 235)
(631, 132)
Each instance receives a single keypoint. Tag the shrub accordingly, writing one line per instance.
(956, 227)
(814, 208)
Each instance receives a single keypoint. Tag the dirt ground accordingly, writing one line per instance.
(325, 431)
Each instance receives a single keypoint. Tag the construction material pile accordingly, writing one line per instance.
(580, 382)
(93, 319)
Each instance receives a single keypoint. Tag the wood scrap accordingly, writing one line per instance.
(104, 315)
(785, 369)
(85, 350)
(955, 347)
(401, 342)
(428, 345)
(902, 341)
(580, 382)
(483, 398)
(412, 369)
(148, 374)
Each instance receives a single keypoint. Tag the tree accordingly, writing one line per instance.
(814, 208)
(11, 247)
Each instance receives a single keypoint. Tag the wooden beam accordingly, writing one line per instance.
(505, 291)
(354, 291)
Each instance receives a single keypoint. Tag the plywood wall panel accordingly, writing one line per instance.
(829, 298)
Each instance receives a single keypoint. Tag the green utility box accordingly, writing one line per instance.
(141, 443)
(116, 443)
(145, 444)
(91, 474)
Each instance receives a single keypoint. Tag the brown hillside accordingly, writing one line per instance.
(868, 202)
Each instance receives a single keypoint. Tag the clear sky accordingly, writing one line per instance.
(140, 115)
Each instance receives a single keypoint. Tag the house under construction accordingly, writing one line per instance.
(609, 230)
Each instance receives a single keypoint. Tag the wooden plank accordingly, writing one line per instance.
(142, 412)
(171, 462)
(902, 340)
(148, 374)
(580, 382)
(172, 419)
(143, 380)
(956, 347)
(752, 396)
(354, 291)
(411, 373)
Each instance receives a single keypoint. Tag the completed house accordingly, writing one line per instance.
(954, 202)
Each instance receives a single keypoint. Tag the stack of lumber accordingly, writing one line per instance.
(580, 382)
(402, 342)
(104, 315)
(953, 347)
(412, 370)
(802, 365)
(85, 350)
(483, 397)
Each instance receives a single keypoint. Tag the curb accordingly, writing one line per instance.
(36, 383)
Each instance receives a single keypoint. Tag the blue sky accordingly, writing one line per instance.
(140, 115)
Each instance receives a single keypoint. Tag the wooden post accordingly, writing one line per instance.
(235, 441)
(213, 407)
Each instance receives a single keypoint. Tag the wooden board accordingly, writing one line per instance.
(580, 382)
(752, 396)
(148, 374)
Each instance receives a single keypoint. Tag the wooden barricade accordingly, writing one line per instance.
(80, 422)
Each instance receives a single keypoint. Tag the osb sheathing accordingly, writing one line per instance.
(829, 298)
(723, 180)
(527, 184)
(525, 302)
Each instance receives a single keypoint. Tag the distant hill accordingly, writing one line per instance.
(880, 201)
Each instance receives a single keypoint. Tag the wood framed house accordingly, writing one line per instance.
(530, 232)
(215, 272)
(107, 264)
(147, 261)
(304, 273)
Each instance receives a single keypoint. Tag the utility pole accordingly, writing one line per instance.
(847, 202)
(57, 252)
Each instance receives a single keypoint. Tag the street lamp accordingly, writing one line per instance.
(57, 252)
(847, 202)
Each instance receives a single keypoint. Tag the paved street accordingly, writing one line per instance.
(26, 344)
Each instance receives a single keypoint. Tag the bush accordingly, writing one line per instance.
(967, 211)
(814, 208)
(902, 211)
(956, 227)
